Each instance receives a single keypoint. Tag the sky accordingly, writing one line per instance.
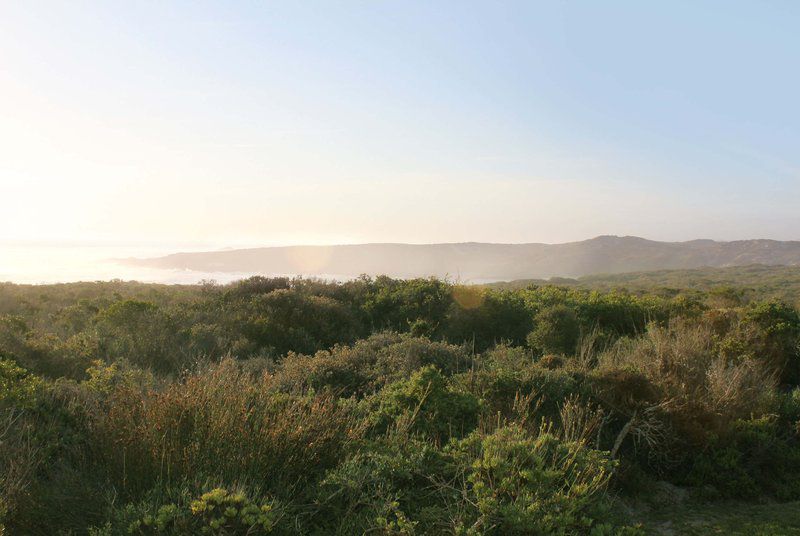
(213, 124)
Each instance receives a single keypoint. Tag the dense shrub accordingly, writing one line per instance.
(218, 511)
(750, 460)
(395, 305)
(140, 332)
(17, 386)
(342, 370)
(508, 482)
(624, 390)
(19, 459)
(42, 451)
(482, 318)
(40, 352)
(519, 483)
(768, 332)
(506, 356)
(506, 391)
(388, 488)
(424, 403)
(123, 403)
(368, 365)
(556, 332)
(287, 320)
(701, 391)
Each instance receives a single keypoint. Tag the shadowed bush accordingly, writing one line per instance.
(750, 460)
(368, 365)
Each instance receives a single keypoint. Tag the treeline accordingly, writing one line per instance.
(296, 406)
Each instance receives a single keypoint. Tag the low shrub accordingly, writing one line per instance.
(42, 455)
(519, 483)
(678, 370)
(502, 389)
(388, 488)
(425, 404)
(551, 361)
(556, 330)
(216, 512)
(504, 356)
(368, 365)
(18, 387)
(219, 512)
(751, 460)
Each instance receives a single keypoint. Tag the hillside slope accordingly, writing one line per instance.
(474, 261)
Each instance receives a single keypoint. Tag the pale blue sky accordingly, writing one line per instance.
(244, 123)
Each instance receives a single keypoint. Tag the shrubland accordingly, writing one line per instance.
(380, 406)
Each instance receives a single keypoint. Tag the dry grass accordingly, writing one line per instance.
(581, 422)
(224, 425)
(699, 390)
(20, 458)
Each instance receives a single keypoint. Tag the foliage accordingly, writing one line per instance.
(17, 386)
(556, 332)
(532, 484)
(380, 488)
(750, 460)
(394, 304)
(220, 424)
(368, 365)
(479, 411)
(425, 403)
(140, 332)
(287, 320)
(215, 512)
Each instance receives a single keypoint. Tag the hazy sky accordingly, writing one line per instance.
(244, 123)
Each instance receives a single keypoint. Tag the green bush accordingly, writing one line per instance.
(116, 409)
(141, 332)
(556, 331)
(483, 318)
(288, 320)
(104, 379)
(504, 389)
(425, 404)
(386, 488)
(219, 512)
(518, 483)
(789, 412)
(368, 365)
(751, 460)
(504, 356)
(216, 512)
(44, 482)
(18, 387)
(396, 305)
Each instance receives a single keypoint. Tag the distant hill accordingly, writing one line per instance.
(481, 262)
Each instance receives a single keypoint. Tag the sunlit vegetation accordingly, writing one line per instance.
(735, 284)
(380, 406)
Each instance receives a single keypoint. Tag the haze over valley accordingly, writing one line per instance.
(482, 262)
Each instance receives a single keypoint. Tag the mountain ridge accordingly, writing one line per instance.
(482, 261)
